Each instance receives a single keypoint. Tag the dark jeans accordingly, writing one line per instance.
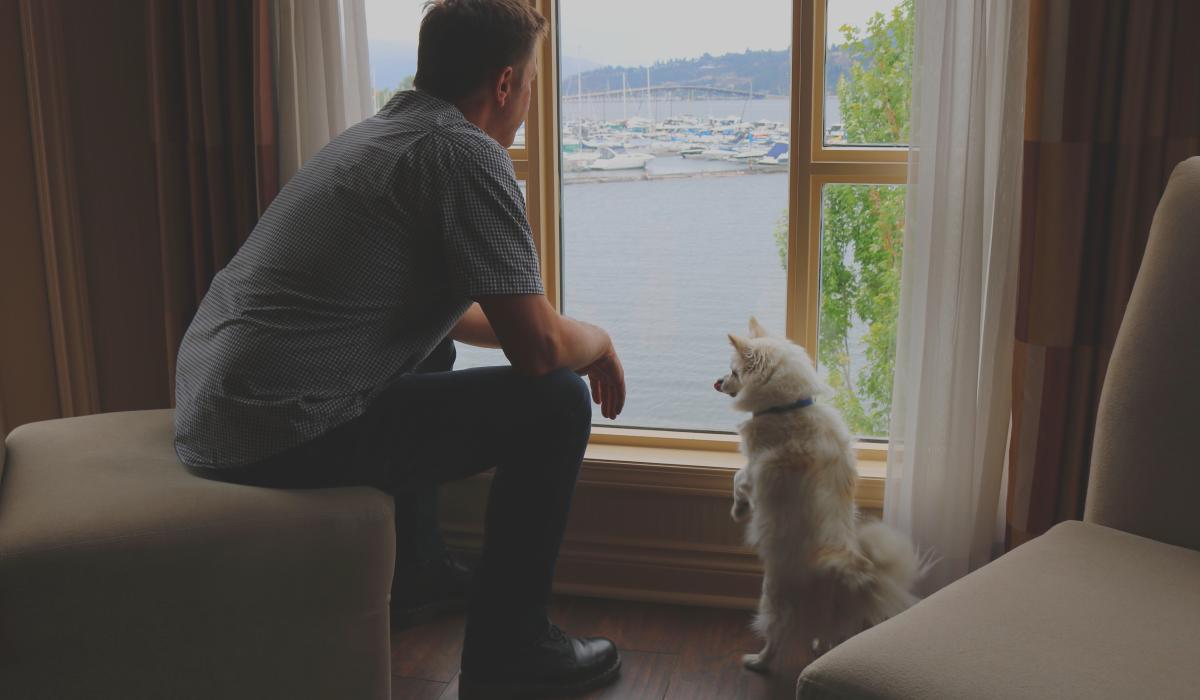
(431, 427)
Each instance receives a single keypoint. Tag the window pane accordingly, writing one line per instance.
(674, 127)
(392, 27)
(868, 64)
(862, 232)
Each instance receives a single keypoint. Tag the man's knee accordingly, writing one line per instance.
(564, 396)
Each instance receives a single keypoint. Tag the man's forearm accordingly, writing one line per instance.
(580, 344)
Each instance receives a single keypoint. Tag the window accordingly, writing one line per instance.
(674, 125)
(852, 176)
(688, 204)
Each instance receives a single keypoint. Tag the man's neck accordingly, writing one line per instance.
(478, 112)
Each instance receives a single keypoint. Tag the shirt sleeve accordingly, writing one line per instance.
(488, 244)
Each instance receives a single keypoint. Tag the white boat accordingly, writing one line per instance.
(610, 160)
(578, 160)
(778, 155)
(751, 153)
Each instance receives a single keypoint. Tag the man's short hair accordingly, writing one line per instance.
(463, 43)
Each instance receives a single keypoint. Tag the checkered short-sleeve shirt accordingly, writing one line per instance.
(363, 263)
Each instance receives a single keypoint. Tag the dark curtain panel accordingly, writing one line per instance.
(213, 114)
(1113, 104)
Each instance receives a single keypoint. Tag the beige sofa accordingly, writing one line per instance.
(123, 576)
(1105, 608)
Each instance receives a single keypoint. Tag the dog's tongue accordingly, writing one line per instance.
(717, 385)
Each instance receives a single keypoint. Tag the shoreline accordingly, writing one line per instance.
(642, 175)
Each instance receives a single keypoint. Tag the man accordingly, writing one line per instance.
(308, 363)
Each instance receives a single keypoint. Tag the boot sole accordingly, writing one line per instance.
(469, 690)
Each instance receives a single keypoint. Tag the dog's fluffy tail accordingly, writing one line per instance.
(895, 567)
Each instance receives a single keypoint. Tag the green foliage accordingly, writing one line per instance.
(385, 95)
(863, 227)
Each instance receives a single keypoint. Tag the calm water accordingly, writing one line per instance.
(669, 267)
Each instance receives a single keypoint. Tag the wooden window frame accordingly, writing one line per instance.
(812, 166)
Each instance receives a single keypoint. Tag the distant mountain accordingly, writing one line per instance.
(569, 65)
(768, 71)
(393, 60)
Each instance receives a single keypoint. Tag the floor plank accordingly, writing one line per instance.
(413, 689)
(644, 676)
(669, 652)
(649, 627)
(430, 651)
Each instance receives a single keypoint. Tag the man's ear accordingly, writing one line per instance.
(505, 85)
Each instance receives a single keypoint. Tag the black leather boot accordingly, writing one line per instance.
(548, 665)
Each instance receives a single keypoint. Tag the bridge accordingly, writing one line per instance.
(666, 88)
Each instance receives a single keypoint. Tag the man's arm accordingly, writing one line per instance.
(473, 329)
(538, 340)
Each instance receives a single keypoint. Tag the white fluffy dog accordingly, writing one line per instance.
(826, 576)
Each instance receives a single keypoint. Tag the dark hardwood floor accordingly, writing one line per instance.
(667, 651)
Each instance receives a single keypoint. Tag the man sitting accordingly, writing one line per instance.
(318, 357)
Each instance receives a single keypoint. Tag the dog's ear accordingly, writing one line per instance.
(741, 345)
(756, 329)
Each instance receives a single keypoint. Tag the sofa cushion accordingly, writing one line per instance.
(1083, 611)
(113, 556)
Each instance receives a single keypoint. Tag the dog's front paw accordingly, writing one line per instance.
(740, 511)
(756, 662)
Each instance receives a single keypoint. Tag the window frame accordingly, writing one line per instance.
(812, 166)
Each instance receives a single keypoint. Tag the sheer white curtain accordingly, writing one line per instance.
(951, 402)
(322, 73)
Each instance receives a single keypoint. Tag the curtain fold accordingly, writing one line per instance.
(323, 75)
(950, 410)
(213, 139)
(1114, 105)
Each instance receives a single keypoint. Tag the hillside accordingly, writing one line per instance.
(768, 71)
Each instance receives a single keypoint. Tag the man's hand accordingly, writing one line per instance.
(607, 378)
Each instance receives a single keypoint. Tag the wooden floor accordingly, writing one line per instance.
(667, 652)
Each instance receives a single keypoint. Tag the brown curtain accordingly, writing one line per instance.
(1113, 103)
(213, 113)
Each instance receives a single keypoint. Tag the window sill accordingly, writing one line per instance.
(698, 463)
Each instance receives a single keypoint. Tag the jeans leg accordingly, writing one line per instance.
(418, 536)
(444, 426)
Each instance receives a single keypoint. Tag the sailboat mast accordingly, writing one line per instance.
(624, 113)
(650, 97)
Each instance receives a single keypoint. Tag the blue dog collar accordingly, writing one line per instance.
(802, 403)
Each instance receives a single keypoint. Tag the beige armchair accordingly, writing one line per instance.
(1104, 608)
(123, 576)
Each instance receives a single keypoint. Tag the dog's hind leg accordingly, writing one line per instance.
(774, 616)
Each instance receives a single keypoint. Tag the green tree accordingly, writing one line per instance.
(863, 226)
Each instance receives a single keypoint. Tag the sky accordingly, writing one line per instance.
(639, 32)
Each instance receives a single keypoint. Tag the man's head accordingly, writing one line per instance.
(481, 55)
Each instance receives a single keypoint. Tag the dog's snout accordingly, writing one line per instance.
(718, 383)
